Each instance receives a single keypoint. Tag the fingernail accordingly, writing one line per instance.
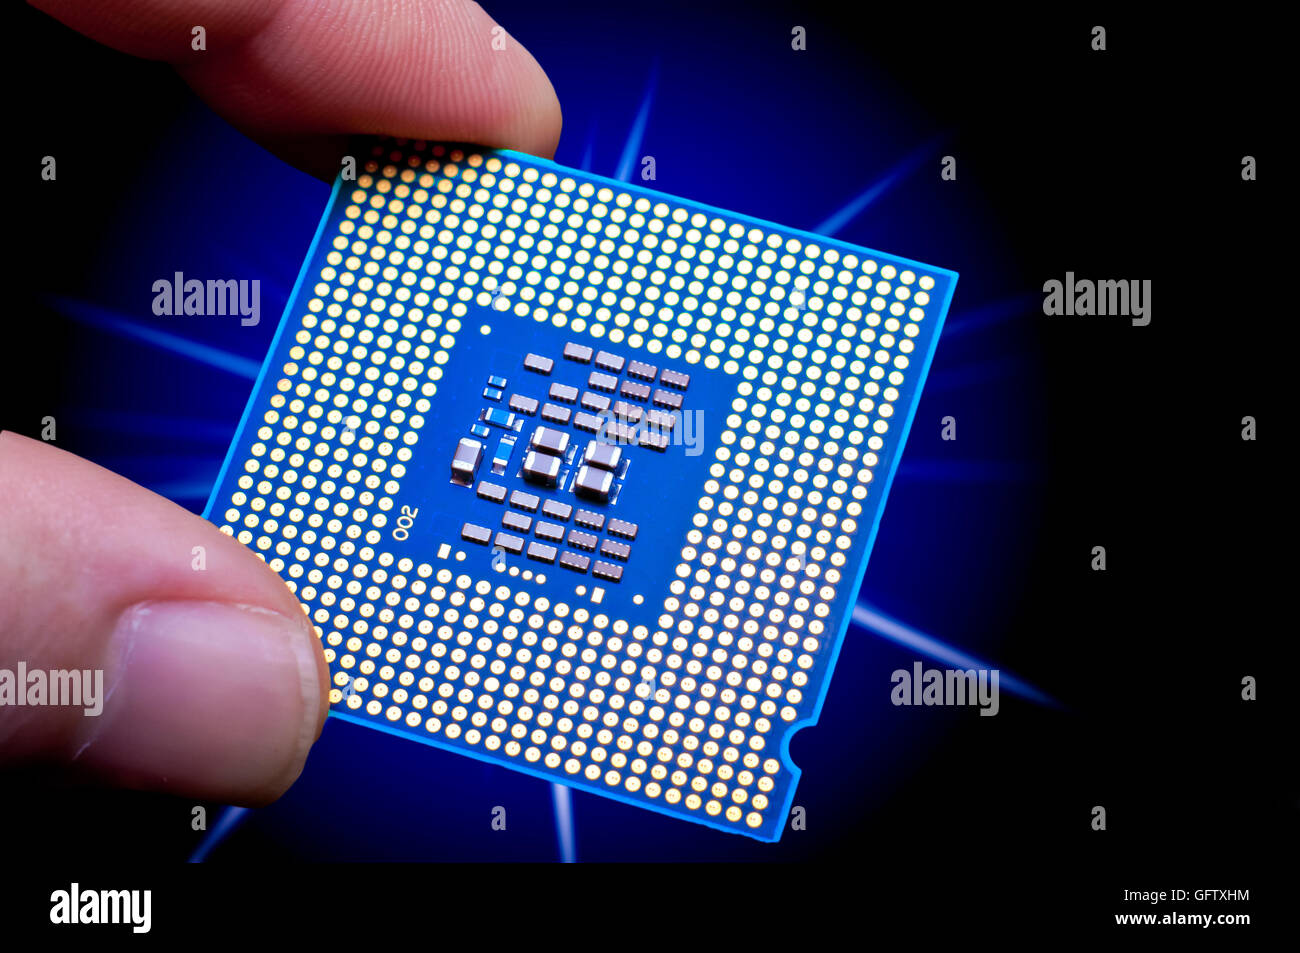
(217, 700)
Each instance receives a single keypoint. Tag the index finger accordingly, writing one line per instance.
(302, 75)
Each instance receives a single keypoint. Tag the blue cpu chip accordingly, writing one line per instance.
(639, 584)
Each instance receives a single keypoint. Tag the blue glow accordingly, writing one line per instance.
(990, 314)
(968, 471)
(257, 224)
(157, 425)
(979, 373)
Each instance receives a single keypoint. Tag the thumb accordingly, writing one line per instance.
(213, 683)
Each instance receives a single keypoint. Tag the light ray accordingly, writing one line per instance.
(106, 320)
(632, 145)
(854, 208)
(230, 818)
(876, 622)
(562, 800)
(589, 149)
(989, 314)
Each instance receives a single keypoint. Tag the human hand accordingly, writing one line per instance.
(214, 684)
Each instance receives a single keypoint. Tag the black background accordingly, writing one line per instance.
(1120, 164)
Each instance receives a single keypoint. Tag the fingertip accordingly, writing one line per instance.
(437, 72)
(296, 75)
